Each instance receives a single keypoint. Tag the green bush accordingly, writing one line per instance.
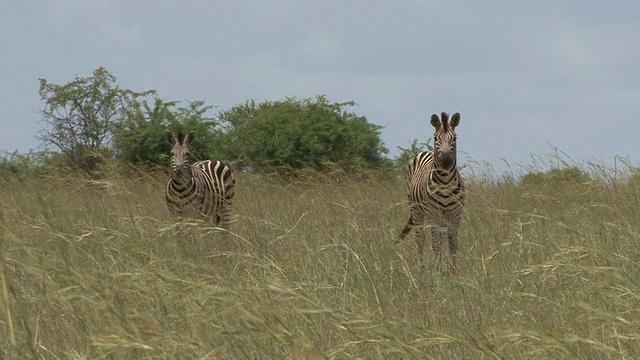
(140, 139)
(296, 134)
(30, 164)
(569, 175)
(407, 154)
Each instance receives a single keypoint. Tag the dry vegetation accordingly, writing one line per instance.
(98, 269)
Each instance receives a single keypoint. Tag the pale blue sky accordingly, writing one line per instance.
(525, 75)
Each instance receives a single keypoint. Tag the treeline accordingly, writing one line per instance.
(91, 122)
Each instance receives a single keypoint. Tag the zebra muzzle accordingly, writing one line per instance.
(446, 161)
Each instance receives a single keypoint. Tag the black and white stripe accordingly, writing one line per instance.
(436, 191)
(205, 188)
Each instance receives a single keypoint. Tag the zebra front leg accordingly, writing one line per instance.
(436, 246)
(453, 246)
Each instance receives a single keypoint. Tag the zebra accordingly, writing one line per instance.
(205, 188)
(436, 192)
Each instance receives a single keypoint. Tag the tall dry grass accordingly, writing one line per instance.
(98, 269)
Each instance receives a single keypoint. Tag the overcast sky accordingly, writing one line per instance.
(526, 76)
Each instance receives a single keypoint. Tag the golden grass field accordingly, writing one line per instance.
(98, 269)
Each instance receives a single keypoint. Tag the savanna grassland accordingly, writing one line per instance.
(98, 269)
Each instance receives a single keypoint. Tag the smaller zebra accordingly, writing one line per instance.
(205, 188)
(436, 191)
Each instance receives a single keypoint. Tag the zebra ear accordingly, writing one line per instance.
(169, 136)
(190, 137)
(435, 121)
(455, 120)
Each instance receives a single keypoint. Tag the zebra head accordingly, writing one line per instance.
(180, 164)
(445, 140)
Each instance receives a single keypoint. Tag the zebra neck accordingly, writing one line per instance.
(444, 176)
(182, 180)
(446, 173)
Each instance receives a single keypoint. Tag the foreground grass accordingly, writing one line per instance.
(99, 270)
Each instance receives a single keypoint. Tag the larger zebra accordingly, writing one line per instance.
(436, 191)
(205, 188)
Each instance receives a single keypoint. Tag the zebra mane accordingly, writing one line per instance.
(445, 121)
(180, 138)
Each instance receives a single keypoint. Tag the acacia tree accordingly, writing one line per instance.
(80, 117)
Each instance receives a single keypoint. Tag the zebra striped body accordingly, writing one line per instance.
(205, 188)
(436, 192)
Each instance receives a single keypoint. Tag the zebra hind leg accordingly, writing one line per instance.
(222, 220)
(407, 229)
(420, 240)
(225, 218)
